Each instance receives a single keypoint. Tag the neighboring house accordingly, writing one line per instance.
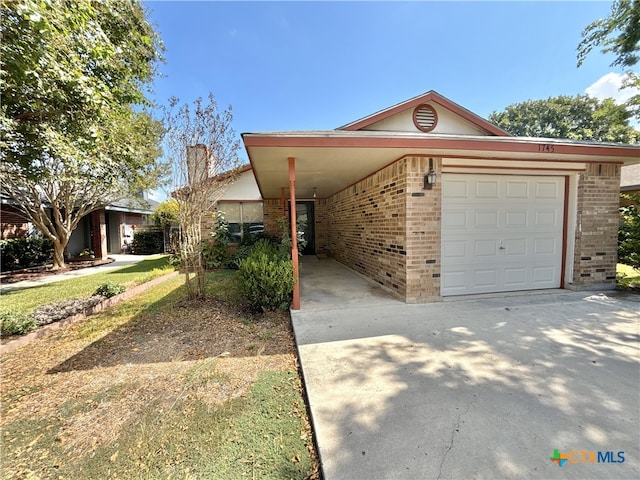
(630, 179)
(430, 200)
(104, 231)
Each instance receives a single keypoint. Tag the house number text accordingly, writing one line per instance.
(545, 147)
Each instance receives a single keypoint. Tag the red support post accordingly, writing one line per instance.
(294, 234)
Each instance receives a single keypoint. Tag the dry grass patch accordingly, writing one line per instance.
(158, 387)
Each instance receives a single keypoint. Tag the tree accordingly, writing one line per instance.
(619, 34)
(579, 118)
(201, 147)
(629, 231)
(75, 135)
(166, 213)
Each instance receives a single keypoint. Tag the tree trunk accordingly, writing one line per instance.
(58, 255)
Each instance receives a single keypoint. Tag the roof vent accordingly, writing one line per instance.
(425, 117)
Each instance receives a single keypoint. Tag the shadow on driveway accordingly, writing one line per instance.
(484, 388)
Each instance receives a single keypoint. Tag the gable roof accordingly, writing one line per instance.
(433, 97)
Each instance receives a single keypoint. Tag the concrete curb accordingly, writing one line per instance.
(11, 345)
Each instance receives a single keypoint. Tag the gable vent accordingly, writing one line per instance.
(425, 117)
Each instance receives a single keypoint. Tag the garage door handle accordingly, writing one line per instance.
(502, 248)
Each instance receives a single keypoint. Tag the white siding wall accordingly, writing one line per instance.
(448, 123)
(244, 188)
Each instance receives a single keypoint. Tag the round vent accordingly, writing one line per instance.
(425, 117)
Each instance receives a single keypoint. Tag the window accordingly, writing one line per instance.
(243, 218)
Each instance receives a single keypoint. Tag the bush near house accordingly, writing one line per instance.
(629, 231)
(266, 277)
(147, 242)
(18, 253)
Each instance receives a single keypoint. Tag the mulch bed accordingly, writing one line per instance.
(45, 271)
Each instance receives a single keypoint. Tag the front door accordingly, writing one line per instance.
(306, 221)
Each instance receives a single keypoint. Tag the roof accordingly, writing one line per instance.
(327, 161)
(428, 97)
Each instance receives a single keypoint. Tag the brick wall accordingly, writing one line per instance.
(321, 232)
(367, 225)
(423, 213)
(597, 232)
(272, 209)
(12, 223)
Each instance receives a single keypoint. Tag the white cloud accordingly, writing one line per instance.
(608, 86)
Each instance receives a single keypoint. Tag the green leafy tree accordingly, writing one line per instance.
(629, 232)
(166, 213)
(619, 34)
(74, 133)
(579, 118)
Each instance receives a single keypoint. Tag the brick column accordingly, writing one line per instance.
(597, 232)
(99, 234)
(423, 244)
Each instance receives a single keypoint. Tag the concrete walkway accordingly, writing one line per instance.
(475, 388)
(120, 261)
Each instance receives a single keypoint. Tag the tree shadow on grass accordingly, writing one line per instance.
(176, 329)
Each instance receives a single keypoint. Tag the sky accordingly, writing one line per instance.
(319, 65)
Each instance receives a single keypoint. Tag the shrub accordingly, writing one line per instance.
(148, 242)
(14, 323)
(109, 289)
(266, 278)
(629, 231)
(215, 252)
(17, 253)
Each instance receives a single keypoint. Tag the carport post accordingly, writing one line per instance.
(294, 234)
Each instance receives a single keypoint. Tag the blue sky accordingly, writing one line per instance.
(319, 65)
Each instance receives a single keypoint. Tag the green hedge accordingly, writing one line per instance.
(17, 253)
(146, 243)
(266, 277)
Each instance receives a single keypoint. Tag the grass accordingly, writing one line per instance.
(628, 278)
(24, 301)
(159, 387)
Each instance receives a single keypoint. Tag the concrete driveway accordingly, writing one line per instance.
(476, 388)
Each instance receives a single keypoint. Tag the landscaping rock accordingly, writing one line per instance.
(60, 310)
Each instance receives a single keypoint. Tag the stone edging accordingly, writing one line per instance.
(104, 304)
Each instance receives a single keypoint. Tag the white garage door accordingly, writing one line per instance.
(501, 233)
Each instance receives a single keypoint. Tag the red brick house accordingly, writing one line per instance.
(104, 231)
(430, 200)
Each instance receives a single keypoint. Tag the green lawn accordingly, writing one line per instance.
(627, 276)
(26, 300)
(159, 387)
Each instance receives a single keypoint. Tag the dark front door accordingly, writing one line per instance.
(306, 223)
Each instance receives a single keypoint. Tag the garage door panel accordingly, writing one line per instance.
(487, 189)
(516, 218)
(455, 189)
(455, 249)
(516, 247)
(501, 233)
(485, 248)
(486, 278)
(546, 189)
(486, 219)
(515, 277)
(455, 219)
(517, 189)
